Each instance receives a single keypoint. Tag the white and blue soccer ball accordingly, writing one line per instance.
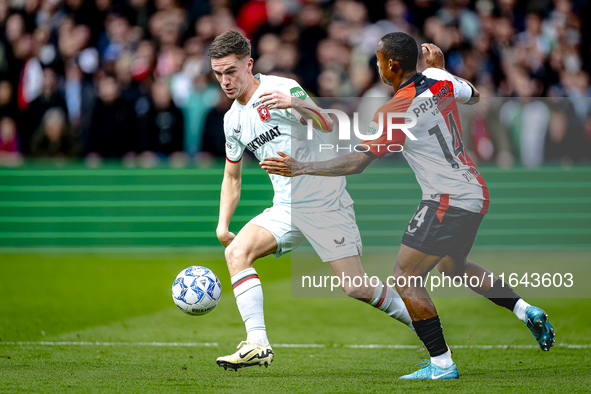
(196, 290)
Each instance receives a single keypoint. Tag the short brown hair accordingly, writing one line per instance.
(230, 42)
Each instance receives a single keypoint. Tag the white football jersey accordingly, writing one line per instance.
(437, 156)
(265, 131)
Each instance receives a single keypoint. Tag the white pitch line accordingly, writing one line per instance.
(481, 347)
(300, 345)
(282, 345)
(149, 344)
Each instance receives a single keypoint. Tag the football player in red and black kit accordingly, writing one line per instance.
(455, 196)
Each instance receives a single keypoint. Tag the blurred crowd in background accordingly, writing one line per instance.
(103, 79)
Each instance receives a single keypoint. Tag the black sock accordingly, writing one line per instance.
(501, 294)
(430, 333)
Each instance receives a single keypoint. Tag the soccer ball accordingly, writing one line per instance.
(196, 290)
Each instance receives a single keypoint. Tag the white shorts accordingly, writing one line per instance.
(333, 235)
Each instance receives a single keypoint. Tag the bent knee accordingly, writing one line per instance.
(453, 272)
(402, 276)
(355, 292)
(237, 258)
(449, 267)
(406, 280)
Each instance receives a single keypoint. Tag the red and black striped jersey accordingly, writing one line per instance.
(437, 155)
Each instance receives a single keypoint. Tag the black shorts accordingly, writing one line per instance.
(440, 230)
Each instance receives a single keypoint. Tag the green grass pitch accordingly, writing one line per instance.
(100, 315)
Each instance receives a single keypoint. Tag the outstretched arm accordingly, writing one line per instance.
(285, 165)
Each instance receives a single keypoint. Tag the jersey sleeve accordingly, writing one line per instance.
(234, 148)
(383, 145)
(296, 91)
(462, 90)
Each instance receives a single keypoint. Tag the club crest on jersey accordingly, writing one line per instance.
(264, 113)
(237, 131)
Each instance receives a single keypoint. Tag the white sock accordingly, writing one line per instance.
(387, 300)
(249, 298)
(519, 310)
(443, 361)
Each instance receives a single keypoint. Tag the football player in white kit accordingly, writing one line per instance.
(264, 118)
(455, 196)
